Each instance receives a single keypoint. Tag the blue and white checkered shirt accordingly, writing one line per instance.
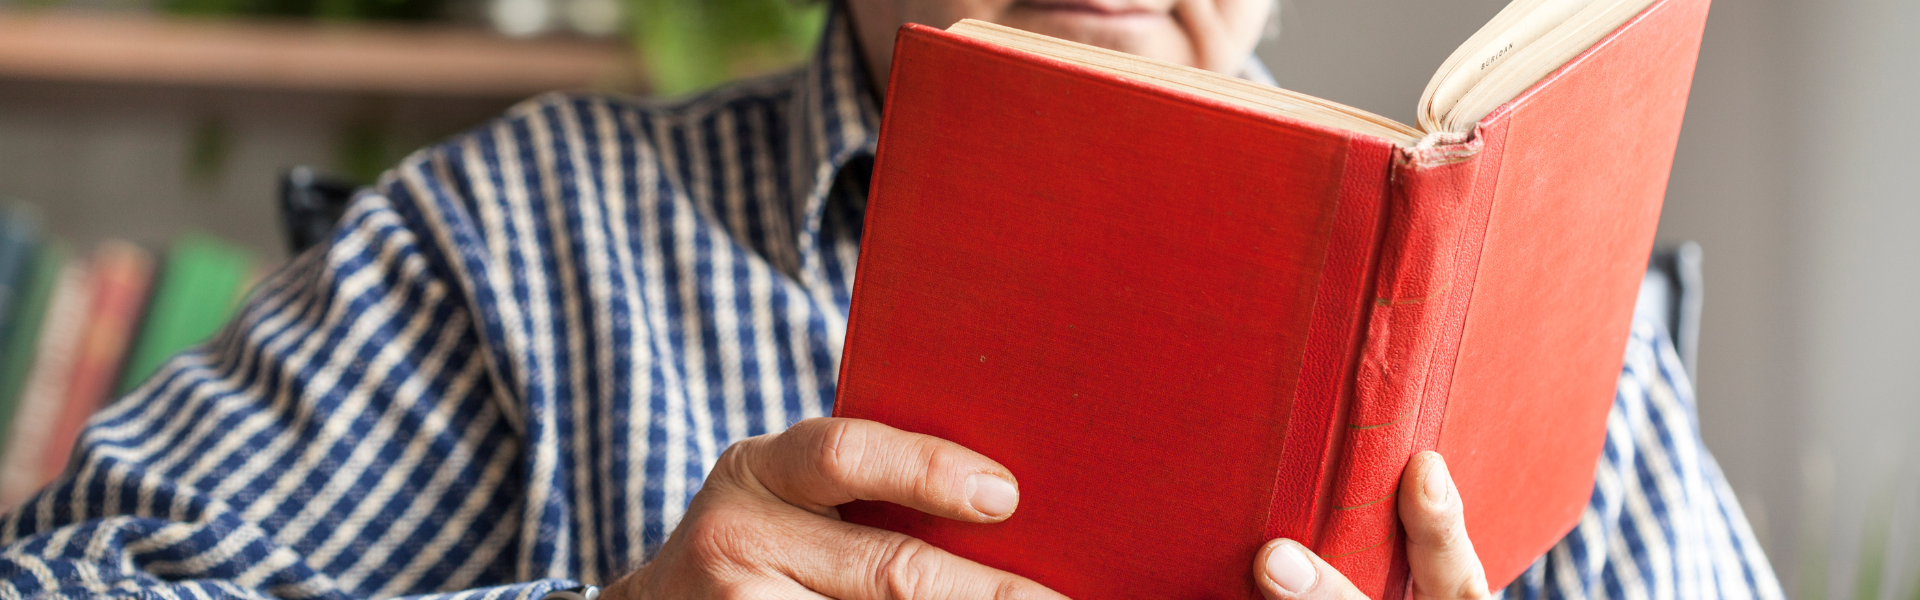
(512, 365)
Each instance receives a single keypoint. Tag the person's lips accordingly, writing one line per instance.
(1115, 10)
(1091, 7)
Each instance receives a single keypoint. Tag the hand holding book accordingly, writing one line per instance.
(1061, 240)
(766, 525)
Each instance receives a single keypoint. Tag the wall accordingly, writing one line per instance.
(148, 162)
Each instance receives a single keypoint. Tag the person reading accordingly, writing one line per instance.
(586, 350)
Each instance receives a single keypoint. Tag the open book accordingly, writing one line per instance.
(1191, 313)
(1525, 42)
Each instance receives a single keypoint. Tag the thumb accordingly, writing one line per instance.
(1442, 560)
(1286, 570)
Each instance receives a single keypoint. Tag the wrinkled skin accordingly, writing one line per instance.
(1216, 35)
(765, 526)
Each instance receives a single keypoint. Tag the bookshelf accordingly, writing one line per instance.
(171, 133)
(429, 60)
(108, 119)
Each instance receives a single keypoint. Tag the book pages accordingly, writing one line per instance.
(1518, 26)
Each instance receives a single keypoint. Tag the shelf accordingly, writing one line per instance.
(398, 59)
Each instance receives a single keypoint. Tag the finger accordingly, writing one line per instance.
(773, 589)
(1286, 570)
(1206, 29)
(852, 562)
(1222, 32)
(822, 463)
(1439, 553)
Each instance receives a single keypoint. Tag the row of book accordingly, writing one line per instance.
(80, 328)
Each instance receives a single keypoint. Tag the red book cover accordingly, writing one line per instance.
(121, 274)
(1189, 327)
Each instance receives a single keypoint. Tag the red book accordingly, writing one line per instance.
(121, 274)
(1191, 319)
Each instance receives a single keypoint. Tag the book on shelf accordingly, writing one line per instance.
(1192, 313)
(27, 270)
(81, 331)
(198, 288)
(122, 273)
(19, 234)
(44, 394)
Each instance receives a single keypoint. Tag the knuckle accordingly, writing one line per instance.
(908, 568)
(724, 537)
(1445, 534)
(1017, 589)
(733, 461)
(1443, 530)
(1473, 588)
(839, 451)
(744, 591)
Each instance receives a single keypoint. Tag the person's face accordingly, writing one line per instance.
(1217, 35)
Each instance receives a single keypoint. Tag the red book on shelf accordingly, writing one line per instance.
(121, 274)
(1189, 323)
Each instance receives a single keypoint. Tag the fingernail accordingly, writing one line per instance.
(1435, 484)
(1289, 566)
(992, 496)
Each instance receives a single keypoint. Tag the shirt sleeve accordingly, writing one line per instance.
(340, 439)
(1662, 522)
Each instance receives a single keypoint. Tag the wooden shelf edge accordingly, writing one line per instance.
(397, 59)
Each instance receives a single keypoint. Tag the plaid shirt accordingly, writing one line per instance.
(512, 365)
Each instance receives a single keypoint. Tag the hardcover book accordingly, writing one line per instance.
(197, 289)
(23, 334)
(1192, 313)
(122, 273)
(44, 392)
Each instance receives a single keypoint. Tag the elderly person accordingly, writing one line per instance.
(569, 349)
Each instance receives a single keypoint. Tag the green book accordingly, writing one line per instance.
(198, 288)
(19, 234)
(23, 328)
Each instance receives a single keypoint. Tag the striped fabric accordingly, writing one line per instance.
(1662, 522)
(511, 366)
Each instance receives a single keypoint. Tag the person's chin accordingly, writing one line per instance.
(1151, 33)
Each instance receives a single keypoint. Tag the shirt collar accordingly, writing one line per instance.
(839, 120)
(1256, 71)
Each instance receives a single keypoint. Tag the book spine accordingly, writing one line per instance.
(19, 234)
(1319, 410)
(46, 385)
(1417, 281)
(122, 275)
(19, 244)
(23, 333)
(193, 295)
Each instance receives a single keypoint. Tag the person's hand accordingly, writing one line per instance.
(1441, 558)
(764, 524)
(1223, 32)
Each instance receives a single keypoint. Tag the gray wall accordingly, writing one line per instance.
(1792, 175)
(109, 160)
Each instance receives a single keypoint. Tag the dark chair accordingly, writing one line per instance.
(1671, 294)
(310, 205)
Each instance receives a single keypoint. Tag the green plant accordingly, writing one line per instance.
(337, 10)
(1880, 532)
(689, 45)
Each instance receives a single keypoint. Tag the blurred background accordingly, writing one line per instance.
(144, 118)
(170, 123)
